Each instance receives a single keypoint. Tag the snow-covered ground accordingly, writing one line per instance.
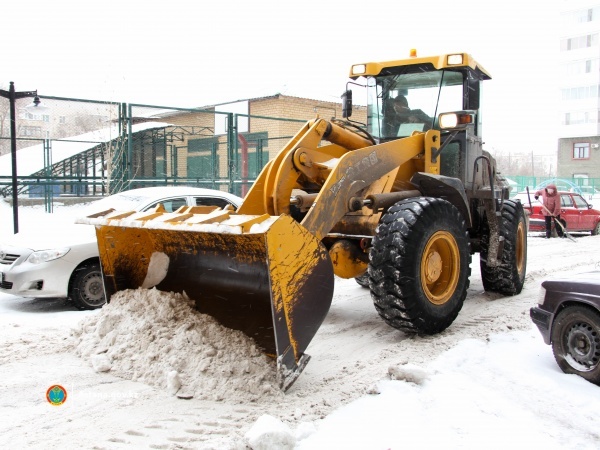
(488, 381)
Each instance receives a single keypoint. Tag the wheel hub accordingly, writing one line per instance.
(94, 290)
(584, 345)
(433, 266)
(440, 267)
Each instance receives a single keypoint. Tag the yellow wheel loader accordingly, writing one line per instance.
(400, 203)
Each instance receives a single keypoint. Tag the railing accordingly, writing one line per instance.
(582, 185)
(109, 147)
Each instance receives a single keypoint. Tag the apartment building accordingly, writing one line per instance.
(579, 102)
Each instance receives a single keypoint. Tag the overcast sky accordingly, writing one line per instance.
(195, 53)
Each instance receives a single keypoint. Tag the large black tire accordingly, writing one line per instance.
(596, 230)
(576, 342)
(507, 278)
(86, 288)
(363, 280)
(419, 265)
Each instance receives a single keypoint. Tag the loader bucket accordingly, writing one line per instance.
(264, 275)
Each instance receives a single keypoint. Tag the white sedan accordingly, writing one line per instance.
(67, 265)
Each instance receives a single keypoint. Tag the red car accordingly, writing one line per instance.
(576, 213)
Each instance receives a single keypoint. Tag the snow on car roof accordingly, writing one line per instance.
(134, 198)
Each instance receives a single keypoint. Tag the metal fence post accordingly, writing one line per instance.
(129, 170)
(231, 149)
(48, 186)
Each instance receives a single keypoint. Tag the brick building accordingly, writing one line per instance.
(198, 143)
(579, 157)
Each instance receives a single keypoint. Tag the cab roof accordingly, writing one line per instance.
(453, 61)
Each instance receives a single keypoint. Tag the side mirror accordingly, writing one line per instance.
(347, 104)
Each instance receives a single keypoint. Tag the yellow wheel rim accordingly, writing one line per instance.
(440, 267)
(520, 250)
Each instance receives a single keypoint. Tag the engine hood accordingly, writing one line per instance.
(42, 238)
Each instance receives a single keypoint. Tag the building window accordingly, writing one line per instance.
(30, 131)
(579, 93)
(580, 67)
(574, 43)
(62, 119)
(581, 150)
(581, 16)
(43, 117)
(580, 117)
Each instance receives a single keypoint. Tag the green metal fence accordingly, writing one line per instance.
(581, 185)
(90, 148)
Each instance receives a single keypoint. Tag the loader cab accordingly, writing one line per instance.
(425, 94)
(429, 87)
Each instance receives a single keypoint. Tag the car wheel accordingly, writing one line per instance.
(87, 288)
(596, 230)
(576, 342)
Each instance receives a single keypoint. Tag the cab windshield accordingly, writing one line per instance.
(399, 104)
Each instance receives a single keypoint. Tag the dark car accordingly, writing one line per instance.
(568, 316)
(576, 213)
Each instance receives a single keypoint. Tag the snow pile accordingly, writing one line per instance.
(270, 433)
(160, 339)
(408, 372)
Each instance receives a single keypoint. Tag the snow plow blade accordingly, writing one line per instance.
(264, 275)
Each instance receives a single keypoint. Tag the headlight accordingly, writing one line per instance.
(47, 255)
(448, 120)
(359, 69)
(541, 295)
(455, 60)
(456, 120)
